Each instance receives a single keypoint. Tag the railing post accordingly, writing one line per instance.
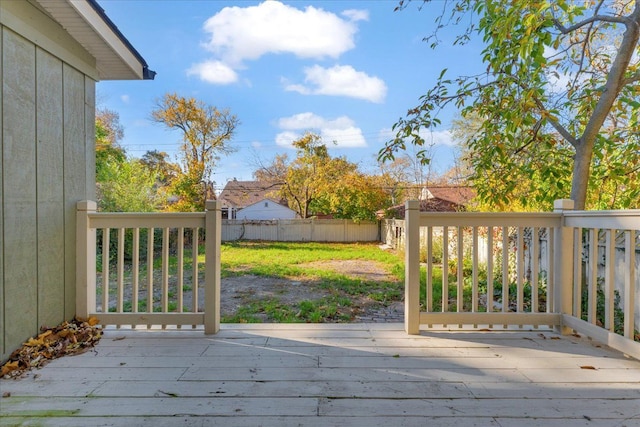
(213, 233)
(563, 264)
(412, 267)
(85, 260)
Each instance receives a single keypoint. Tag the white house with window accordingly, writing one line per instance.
(265, 209)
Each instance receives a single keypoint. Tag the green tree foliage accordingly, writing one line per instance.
(315, 183)
(158, 161)
(108, 134)
(128, 186)
(558, 101)
(353, 195)
(206, 133)
(123, 184)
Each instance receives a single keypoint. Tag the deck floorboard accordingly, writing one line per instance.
(330, 375)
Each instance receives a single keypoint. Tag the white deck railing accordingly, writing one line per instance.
(159, 289)
(525, 269)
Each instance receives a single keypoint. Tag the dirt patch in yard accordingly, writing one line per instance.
(241, 290)
(359, 269)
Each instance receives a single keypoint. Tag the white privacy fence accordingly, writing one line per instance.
(301, 230)
(144, 269)
(576, 270)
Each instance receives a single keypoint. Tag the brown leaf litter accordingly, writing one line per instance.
(68, 338)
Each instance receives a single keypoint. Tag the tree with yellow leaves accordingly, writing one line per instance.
(206, 133)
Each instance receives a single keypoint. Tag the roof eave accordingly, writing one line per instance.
(86, 22)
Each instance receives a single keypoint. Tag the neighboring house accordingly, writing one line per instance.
(256, 200)
(266, 209)
(436, 199)
(53, 53)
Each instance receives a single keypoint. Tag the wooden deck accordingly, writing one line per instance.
(330, 375)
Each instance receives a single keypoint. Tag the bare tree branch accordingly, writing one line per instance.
(595, 18)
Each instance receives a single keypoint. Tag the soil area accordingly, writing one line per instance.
(238, 290)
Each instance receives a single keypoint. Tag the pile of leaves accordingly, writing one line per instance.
(68, 338)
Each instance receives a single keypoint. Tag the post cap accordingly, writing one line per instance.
(212, 205)
(563, 204)
(86, 205)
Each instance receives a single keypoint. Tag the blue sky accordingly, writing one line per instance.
(344, 69)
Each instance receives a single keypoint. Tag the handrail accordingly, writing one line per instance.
(580, 257)
(113, 312)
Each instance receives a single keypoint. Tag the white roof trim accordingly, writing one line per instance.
(115, 60)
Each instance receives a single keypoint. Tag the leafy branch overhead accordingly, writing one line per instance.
(558, 103)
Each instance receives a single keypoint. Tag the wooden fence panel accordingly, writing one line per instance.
(300, 230)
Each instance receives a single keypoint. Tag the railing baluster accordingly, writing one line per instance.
(505, 269)
(629, 283)
(429, 278)
(105, 268)
(150, 270)
(460, 290)
(194, 270)
(135, 269)
(535, 268)
(474, 254)
(120, 270)
(165, 270)
(551, 271)
(445, 268)
(180, 268)
(490, 299)
(520, 270)
(609, 284)
(577, 273)
(592, 278)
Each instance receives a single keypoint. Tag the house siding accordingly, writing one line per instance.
(273, 210)
(47, 117)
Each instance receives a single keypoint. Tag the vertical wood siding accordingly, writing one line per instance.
(75, 161)
(47, 118)
(19, 169)
(2, 320)
(49, 180)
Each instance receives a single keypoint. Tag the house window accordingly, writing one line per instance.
(266, 204)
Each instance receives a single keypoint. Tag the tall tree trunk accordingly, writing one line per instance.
(581, 172)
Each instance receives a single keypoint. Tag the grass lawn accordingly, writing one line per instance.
(304, 262)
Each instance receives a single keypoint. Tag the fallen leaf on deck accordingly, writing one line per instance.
(593, 368)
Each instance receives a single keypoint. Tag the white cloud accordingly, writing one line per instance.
(341, 130)
(284, 139)
(438, 137)
(125, 98)
(435, 137)
(355, 15)
(213, 72)
(247, 33)
(340, 80)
